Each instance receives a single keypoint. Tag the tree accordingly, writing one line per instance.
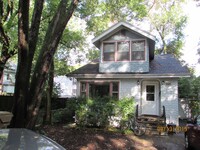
(37, 45)
(99, 14)
(189, 89)
(27, 95)
(168, 19)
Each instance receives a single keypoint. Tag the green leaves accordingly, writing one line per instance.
(189, 88)
(168, 19)
(98, 14)
(99, 111)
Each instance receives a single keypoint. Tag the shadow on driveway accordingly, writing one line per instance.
(167, 142)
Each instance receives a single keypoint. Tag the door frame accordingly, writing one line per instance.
(156, 83)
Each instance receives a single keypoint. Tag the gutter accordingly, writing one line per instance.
(180, 75)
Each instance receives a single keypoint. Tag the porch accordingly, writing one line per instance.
(152, 122)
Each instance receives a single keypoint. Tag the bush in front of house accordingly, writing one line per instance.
(66, 114)
(103, 112)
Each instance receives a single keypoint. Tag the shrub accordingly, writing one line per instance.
(66, 114)
(99, 112)
(61, 116)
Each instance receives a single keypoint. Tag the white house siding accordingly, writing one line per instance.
(169, 98)
(168, 95)
(67, 86)
(129, 88)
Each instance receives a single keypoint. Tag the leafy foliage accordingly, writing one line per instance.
(99, 111)
(195, 107)
(8, 31)
(189, 88)
(62, 115)
(168, 19)
(98, 14)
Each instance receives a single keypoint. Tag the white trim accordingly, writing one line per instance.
(138, 76)
(130, 50)
(97, 81)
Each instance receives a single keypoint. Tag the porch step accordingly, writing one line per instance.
(152, 123)
(151, 119)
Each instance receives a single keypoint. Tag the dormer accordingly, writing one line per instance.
(125, 48)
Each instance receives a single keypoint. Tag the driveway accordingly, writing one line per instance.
(167, 142)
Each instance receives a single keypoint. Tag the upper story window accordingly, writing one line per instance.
(124, 50)
(109, 52)
(137, 50)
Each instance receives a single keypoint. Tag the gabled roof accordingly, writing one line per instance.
(127, 25)
(124, 25)
(162, 66)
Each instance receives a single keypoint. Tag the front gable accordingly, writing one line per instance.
(124, 48)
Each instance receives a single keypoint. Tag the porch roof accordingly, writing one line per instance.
(162, 66)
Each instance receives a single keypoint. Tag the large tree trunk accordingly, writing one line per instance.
(21, 84)
(21, 89)
(52, 38)
(34, 33)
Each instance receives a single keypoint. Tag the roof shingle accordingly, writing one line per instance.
(161, 65)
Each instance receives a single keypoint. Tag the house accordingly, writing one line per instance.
(7, 82)
(128, 67)
(66, 86)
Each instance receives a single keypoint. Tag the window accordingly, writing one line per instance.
(115, 89)
(83, 89)
(100, 89)
(123, 51)
(109, 52)
(150, 92)
(137, 50)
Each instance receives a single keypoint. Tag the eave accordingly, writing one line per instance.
(128, 76)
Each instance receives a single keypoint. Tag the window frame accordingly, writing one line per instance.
(87, 85)
(150, 93)
(109, 42)
(116, 51)
(134, 41)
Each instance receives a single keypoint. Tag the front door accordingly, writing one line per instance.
(150, 98)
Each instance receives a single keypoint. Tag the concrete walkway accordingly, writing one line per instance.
(167, 142)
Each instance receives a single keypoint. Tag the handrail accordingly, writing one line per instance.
(164, 113)
(136, 112)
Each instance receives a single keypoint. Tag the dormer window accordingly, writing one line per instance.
(137, 50)
(124, 51)
(109, 52)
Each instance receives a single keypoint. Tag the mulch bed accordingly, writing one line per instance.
(73, 138)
